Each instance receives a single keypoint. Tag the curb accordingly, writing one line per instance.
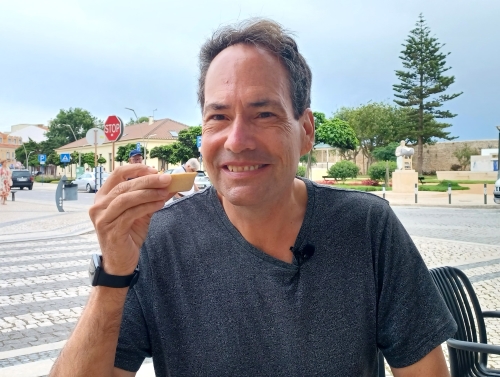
(50, 237)
(473, 206)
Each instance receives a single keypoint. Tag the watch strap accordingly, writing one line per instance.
(101, 278)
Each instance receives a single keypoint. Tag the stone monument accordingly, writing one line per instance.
(404, 178)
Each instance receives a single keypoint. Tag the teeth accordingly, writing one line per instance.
(233, 168)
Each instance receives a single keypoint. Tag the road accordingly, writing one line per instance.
(455, 224)
(47, 192)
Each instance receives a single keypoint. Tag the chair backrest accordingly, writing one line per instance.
(462, 302)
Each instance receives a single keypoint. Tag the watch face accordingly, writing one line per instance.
(94, 265)
(91, 268)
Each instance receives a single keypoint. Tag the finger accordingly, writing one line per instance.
(133, 214)
(124, 173)
(111, 206)
(128, 200)
(151, 181)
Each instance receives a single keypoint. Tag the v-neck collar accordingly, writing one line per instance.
(302, 236)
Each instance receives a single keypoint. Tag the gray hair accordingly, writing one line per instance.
(193, 163)
(274, 38)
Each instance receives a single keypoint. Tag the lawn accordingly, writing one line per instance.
(439, 187)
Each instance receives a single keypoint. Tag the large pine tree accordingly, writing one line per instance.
(422, 86)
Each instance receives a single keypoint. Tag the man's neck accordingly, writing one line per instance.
(272, 228)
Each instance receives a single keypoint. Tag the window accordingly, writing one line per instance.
(110, 162)
(8, 155)
(174, 133)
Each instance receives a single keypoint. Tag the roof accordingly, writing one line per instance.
(161, 129)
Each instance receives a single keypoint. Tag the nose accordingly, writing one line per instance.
(241, 136)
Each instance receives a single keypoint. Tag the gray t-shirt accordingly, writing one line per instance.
(208, 303)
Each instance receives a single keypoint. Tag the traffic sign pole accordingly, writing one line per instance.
(95, 148)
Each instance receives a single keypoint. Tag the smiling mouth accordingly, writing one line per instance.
(236, 169)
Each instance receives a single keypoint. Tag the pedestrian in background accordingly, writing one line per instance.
(192, 165)
(135, 156)
(5, 182)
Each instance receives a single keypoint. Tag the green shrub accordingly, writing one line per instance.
(376, 171)
(343, 170)
(301, 171)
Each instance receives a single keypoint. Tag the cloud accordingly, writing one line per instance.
(108, 55)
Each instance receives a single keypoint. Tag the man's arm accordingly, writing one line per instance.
(121, 215)
(431, 365)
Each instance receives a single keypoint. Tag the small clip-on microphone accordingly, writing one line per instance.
(304, 253)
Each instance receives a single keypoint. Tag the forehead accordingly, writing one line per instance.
(245, 70)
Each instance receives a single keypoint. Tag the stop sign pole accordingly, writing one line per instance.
(113, 129)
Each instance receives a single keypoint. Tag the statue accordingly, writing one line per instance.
(403, 154)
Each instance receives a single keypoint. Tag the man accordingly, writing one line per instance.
(263, 274)
(192, 165)
(135, 156)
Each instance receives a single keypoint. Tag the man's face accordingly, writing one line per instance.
(251, 140)
(137, 159)
(189, 169)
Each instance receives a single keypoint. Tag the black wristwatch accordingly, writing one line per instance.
(98, 276)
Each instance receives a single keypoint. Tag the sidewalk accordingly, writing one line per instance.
(459, 199)
(25, 220)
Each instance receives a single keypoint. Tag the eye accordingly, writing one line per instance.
(217, 117)
(266, 114)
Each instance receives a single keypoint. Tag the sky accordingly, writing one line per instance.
(105, 55)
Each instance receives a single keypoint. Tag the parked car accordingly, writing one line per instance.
(202, 181)
(87, 181)
(22, 179)
(496, 192)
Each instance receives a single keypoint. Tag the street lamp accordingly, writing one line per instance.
(27, 159)
(154, 113)
(498, 155)
(145, 150)
(79, 154)
(128, 108)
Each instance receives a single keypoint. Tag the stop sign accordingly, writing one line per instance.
(113, 128)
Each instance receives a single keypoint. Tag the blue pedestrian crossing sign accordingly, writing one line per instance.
(198, 141)
(42, 158)
(65, 158)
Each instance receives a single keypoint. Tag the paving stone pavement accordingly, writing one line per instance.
(43, 285)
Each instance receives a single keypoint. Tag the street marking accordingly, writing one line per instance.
(40, 319)
(48, 295)
(44, 266)
(42, 279)
(33, 349)
(45, 256)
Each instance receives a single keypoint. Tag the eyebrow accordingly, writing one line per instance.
(255, 104)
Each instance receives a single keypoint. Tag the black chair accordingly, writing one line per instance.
(468, 349)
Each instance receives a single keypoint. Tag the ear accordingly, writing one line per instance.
(307, 123)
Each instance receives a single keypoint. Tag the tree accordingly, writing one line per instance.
(376, 171)
(166, 154)
(185, 146)
(80, 121)
(331, 131)
(24, 150)
(387, 153)
(140, 120)
(336, 133)
(89, 159)
(463, 155)
(343, 170)
(422, 86)
(376, 124)
(101, 160)
(124, 150)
